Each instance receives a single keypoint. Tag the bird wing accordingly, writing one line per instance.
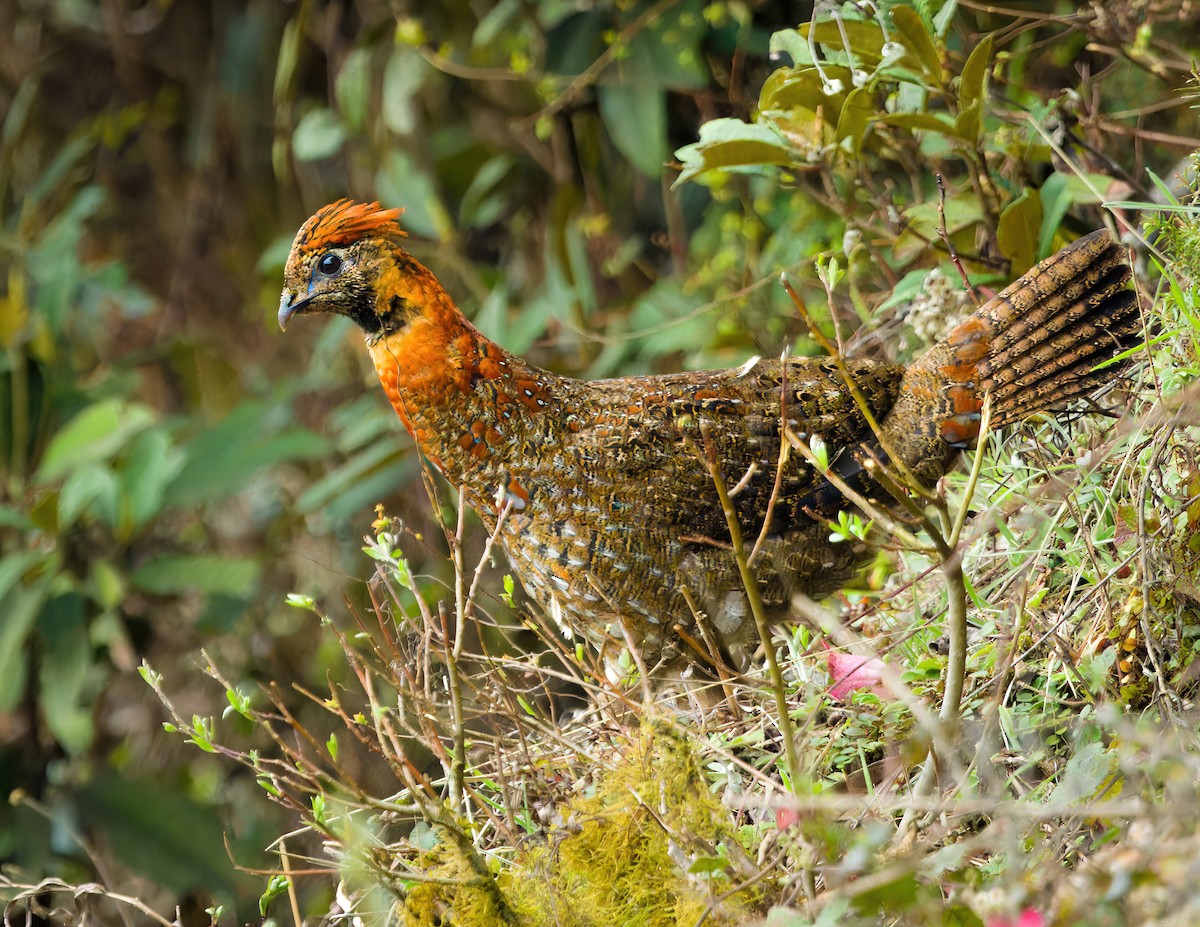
(655, 439)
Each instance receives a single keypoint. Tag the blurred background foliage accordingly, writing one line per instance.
(172, 467)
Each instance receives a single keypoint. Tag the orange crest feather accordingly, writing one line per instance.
(346, 221)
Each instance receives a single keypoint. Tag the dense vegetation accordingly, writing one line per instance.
(610, 188)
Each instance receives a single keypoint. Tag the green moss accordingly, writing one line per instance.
(622, 853)
(461, 890)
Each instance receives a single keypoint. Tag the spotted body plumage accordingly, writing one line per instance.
(610, 516)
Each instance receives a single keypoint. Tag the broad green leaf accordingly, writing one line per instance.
(424, 837)
(971, 90)
(93, 488)
(95, 434)
(401, 181)
(1088, 771)
(969, 125)
(403, 77)
(363, 480)
(791, 43)
(219, 462)
(496, 23)
(806, 89)
(13, 566)
(20, 609)
(709, 865)
(319, 134)
(636, 120)
(667, 53)
(922, 122)
(728, 143)
(865, 38)
(66, 672)
(962, 210)
(174, 574)
(486, 200)
(1018, 229)
(1056, 198)
(856, 117)
(972, 85)
(147, 467)
(1058, 194)
(916, 38)
(353, 89)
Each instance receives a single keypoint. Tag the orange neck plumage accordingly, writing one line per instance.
(462, 397)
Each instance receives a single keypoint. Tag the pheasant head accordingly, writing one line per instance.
(339, 263)
(452, 388)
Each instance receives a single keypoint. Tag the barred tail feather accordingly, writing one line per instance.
(1033, 347)
(1055, 325)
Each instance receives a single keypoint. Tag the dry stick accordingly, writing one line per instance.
(754, 597)
(780, 463)
(946, 547)
(859, 399)
(950, 245)
(854, 496)
(293, 901)
(458, 759)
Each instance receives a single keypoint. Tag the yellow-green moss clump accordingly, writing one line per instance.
(622, 853)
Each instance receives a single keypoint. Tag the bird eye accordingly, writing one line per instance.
(329, 264)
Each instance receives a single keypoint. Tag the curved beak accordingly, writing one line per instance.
(289, 306)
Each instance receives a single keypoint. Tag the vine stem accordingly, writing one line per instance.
(754, 597)
(956, 629)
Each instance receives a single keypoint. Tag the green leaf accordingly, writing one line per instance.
(95, 434)
(708, 865)
(403, 77)
(93, 487)
(1018, 229)
(865, 38)
(319, 134)
(353, 89)
(1058, 194)
(424, 837)
(20, 609)
(207, 573)
(668, 53)
(972, 84)
(791, 43)
(285, 63)
(486, 199)
(636, 120)
(219, 462)
(857, 114)
(916, 38)
(971, 89)
(922, 122)
(66, 673)
(149, 464)
(805, 89)
(14, 565)
(1056, 199)
(728, 143)
(400, 180)
(1086, 773)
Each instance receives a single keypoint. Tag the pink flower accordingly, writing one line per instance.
(1027, 918)
(850, 672)
(786, 817)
